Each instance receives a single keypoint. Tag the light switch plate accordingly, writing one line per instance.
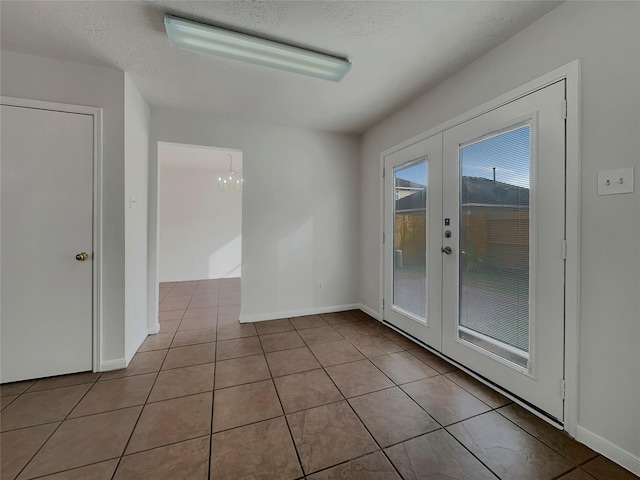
(613, 182)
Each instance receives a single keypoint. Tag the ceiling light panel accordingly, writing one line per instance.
(202, 38)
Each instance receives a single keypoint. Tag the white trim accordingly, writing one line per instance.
(572, 236)
(370, 312)
(153, 329)
(571, 73)
(298, 313)
(610, 450)
(96, 113)
(116, 364)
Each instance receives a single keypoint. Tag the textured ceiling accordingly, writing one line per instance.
(398, 49)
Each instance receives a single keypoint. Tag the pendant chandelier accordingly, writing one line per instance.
(231, 182)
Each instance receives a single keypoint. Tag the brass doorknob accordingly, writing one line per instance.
(82, 256)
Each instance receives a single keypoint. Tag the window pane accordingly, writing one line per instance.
(494, 243)
(409, 238)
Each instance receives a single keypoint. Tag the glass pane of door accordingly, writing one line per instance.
(494, 243)
(410, 238)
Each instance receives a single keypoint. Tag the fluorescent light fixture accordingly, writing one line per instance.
(239, 46)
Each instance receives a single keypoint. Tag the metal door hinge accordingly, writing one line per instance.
(384, 172)
(564, 109)
(563, 387)
(564, 249)
(383, 238)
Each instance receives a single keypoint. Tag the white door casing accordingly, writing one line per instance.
(48, 202)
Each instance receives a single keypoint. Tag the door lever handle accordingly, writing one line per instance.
(446, 250)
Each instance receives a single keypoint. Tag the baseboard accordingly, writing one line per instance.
(116, 364)
(370, 312)
(297, 313)
(191, 279)
(153, 329)
(613, 452)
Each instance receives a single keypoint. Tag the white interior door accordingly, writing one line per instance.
(503, 283)
(413, 232)
(47, 210)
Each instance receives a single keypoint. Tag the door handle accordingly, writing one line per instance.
(82, 256)
(446, 250)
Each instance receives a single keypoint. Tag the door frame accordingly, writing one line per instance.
(571, 73)
(96, 113)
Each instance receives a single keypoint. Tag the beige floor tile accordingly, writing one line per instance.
(159, 341)
(194, 337)
(402, 367)
(41, 407)
(391, 416)
(281, 341)
(372, 466)
(238, 347)
(197, 323)
(354, 329)
(274, 326)
(190, 355)
(172, 421)
(444, 400)
(64, 381)
(183, 460)
(604, 469)
(15, 388)
(179, 382)
(436, 455)
(308, 321)
(316, 335)
(97, 471)
(260, 451)
(305, 390)
(338, 317)
(83, 441)
(434, 361)
(375, 345)
(6, 401)
(17, 447)
(143, 362)
(237, 330)
(358, 378)
(244, 404)
(509, 451)
(573, 451)
(285, 362)
(577, 474)
(241, 370)
(327, 435)
(200, 312)
(335, 353)
(478, 389)
(115, 394)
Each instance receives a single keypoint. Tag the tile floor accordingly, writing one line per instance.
(336, 396)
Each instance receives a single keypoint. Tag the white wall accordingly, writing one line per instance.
(299, 209)
(606, 36)
(136, 159)
(44, 79)
(200, 225)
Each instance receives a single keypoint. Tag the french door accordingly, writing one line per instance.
(496, 272)
(412, 240)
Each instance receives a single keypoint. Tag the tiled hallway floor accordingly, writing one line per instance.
(337, 396)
